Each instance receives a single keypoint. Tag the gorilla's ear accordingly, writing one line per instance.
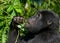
(49, 22)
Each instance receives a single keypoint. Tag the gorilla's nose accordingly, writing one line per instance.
(30, 21)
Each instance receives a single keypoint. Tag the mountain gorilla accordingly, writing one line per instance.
(42, 28)
(44, 25)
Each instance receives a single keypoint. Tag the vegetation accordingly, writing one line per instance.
(26, 8)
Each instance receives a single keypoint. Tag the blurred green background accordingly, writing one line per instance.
(26, 8)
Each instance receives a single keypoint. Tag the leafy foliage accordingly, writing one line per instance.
(26, 8)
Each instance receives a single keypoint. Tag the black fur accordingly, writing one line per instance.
(43, 28)
(13, 32)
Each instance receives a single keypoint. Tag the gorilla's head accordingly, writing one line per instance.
(43, 20)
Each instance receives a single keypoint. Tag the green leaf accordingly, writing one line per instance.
(12, 14)
(20, 11)
(10, 8)
(53, 4)
(1, 12)
(4, 36)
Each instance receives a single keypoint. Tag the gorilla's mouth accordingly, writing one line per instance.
(27, 24)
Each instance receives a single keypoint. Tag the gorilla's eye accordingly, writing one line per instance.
(39, 15)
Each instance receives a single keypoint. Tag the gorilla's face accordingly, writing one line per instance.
(41, 20)
(36, 23)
